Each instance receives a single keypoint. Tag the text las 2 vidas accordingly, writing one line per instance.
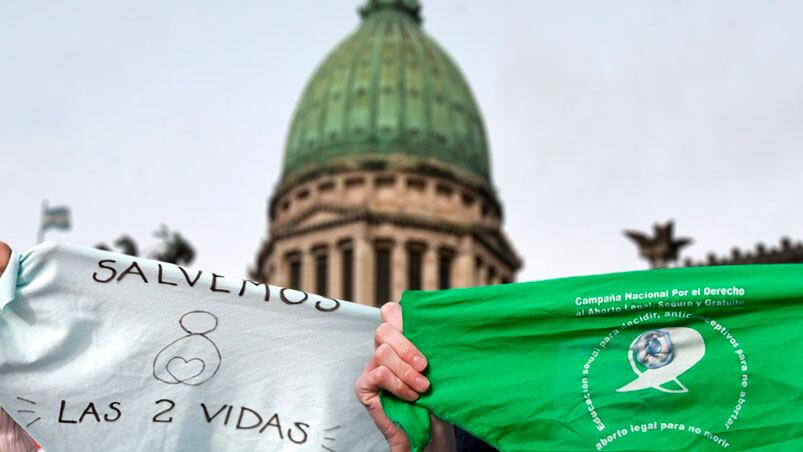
(111, 270)
(238, 418)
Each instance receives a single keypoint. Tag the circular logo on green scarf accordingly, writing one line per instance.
(664, 379)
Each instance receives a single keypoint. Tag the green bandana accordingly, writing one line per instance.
(697, 358)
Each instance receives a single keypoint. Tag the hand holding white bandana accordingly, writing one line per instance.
(12, 437)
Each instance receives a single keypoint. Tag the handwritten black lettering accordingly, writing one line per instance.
(289, 301)
(256, 424)
(208, 418)
(214, 288)
(131, 269)
(116, 407)
(62, 420)
(90, 409)
(187, 277)
(300, 426)
(112, 269)
(321, 308)
(267, 288)
(158, 417)
(271, 423)
(228, 415)
(161, 280)
(161, 273)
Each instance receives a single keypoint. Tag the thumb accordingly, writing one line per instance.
(5, 255)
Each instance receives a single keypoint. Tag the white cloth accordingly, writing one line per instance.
(101, 351)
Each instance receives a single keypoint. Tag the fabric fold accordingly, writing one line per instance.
(691, 358)
(103, 351)
(8, 280)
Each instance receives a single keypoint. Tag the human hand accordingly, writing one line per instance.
(12, 437)
(396, 367)
(5, 255)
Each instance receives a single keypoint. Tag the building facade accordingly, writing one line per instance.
(662, 250)
(386, 180)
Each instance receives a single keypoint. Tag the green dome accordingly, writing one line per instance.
(387, 95)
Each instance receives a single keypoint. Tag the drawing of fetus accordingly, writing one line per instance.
(193, 359)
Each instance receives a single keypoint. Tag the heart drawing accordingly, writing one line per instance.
(182, 370)
(192, 359)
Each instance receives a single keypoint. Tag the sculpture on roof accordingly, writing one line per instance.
(662, 248)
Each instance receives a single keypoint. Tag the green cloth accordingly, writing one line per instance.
(704, 358)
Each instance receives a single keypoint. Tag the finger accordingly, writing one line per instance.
(383, 378)
(387, 334)
(5, 255)
(386, 356)
(368, 385)
(13, 436)
(368, 394)
(392, 314)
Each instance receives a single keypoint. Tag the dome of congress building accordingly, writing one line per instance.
(385, 182)
(388, 93)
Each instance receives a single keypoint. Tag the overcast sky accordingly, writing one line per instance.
(601, 116)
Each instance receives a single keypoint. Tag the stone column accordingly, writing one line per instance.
(282, 276)
(307, 271)
(363, 270)
(398, 271)
(491, 275)
(479, 272)
(430, 267)
(279, 274)
(335, 284)
(463, 265)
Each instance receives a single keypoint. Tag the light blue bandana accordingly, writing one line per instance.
(101, 351)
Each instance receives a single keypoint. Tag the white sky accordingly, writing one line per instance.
(601, 116)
